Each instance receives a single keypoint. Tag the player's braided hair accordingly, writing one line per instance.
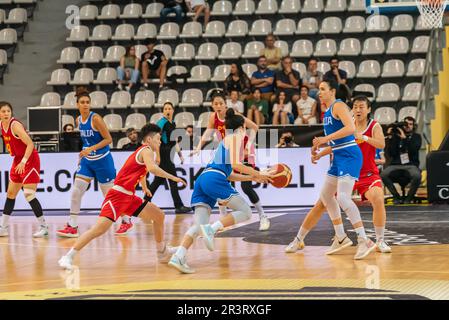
(233, 121)
(81, 92)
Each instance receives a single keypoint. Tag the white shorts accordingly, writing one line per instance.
(195, 3)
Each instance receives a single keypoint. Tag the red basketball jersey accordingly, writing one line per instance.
(14, 145)
(132, 171)
(369, 166)
(219, 125)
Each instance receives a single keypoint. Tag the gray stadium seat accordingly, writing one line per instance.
(267, 7)
(101, 32)
(98, 99)
(113, 122)
(416, 68)
(260, 27)
(307, 26)
(373, 46)
(354, 24)
(69, 55)
(191, 98)
(199, 73)
(207, 51)
(285, 27)
(50, 99)
(83, 76)
(388, 92)
(106, 76)
(349, 47)
(398, 45)
(290, 6)
(59, 77)
(385, 115)
(135, 120)
(119, 100)
(230, 50)
(253, 49)
(143, 99)
(393, 68)
(369, 69)
(221, 8)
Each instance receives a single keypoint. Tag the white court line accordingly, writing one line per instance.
(411, 222)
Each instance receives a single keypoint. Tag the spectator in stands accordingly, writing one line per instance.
(198, 7)
(306, 107)
(257, 108)
(172, 6)
(282, 110)
(239, 81)
(263, 79)
(288, 80)
(313, 78)
(272, 53)
(235, 103)
(336, 74)
(403, 145)
(68, 128)
(154, 61)
(287, 140)
(70, 140)
(133, 137)
(128, 69)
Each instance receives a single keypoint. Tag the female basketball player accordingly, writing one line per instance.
(217, 124)
(96, 159)
(347, 161)
(121, 200)
(213, 185)
(369, 137)
(25, 169)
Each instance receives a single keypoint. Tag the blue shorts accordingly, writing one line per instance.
(103, 169)
(347, 162)
(210, 187)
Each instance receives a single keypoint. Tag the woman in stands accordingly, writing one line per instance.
(95, 160)
(25, 169)
(128, 68)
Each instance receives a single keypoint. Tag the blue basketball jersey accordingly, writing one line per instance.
(90, 137)
(332, 125)
(221, 160)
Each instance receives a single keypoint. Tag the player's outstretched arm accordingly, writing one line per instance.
(206, 135)
(147, 157)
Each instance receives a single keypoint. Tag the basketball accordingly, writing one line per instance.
(282, 175)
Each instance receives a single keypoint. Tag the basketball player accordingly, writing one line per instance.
(121, 200)
(369, 137)
(213, 185)
(96, 160)
(25, 169)
(345, 169)
(217, 124)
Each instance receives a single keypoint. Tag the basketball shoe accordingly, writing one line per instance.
(382, 246)
(264, 223)
(68, 232)
(208, 235)
(124, 229)
(295, 245)
(180, 264)
(338, 245)
(65, 262)
(364, 248)
(4, 231)
(42, 232)
(165, 255)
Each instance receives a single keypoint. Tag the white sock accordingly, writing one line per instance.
(41, 220)
(72, 220)
(361, 232)
(181, 252)
(223, 210)
(217, 226)
(379, 233)
(259, 209)
(302, 233)
(71, 253)
(160, 246)
(339, 231)
(5, 220)
(126, 219)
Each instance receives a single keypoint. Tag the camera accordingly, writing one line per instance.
(395, 127)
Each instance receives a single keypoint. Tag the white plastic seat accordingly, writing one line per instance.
(153, 10)
(290, 7)
(221, 72)
(191, 30)
(169, 31)
(249, 69)
(283, 45)
(312, 6)
(393, 68)
(199, 73)
(385, 115)
(398, 45)
(402, 23)
(69, 101)
(106, 76)
(326, 48)
(230, 50)
(412, 92)
(145, 31)
(388, 92)
(237, 28)
(335, 6)
(78, 34)
(244, 8)
(83, 76)
(373, 46)
(267, 7)
(184, 119)
(132, 11)
(3, 57)
(307, 26)
(221, 8)
(156, 117)
(114, 54)
(420, 44)
(253, 49)
(119, 99)
(300, 67)
(109, 12)
(215, 29)
(331, 25)
(369, 69)
(285, 27)
(167, 95)
(260, 27)
(2, 15)
(69, 55)
(349, 67)
(121, 142)
(420, 25)
(416, 68)
(184, 52)
(365, 87)
(323, 66)
(135, 120)
(17, 16)
(407, 112)
(175, 70)
(124, 32)
(50, 99)
(191, 98)
(143, 99)
(302, 49)
(354, 24)
(67, 119)
(113, 122)
(88, 12)
(377, 23)
(92, 54)
(207, 51)
(101, 32)
(349, 47)
(140, 50)
(59, 77)
(357, 5)
(98, 99)
(203, 119)
(166, 49)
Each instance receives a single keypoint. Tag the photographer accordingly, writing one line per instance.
(287, 141)
(403, 146)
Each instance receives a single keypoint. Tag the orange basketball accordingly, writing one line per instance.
(282, 175)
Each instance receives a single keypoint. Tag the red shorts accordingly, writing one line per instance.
(366, 183)
(118, 203)
(31, 175)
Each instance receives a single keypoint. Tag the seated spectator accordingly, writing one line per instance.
(133, 137)
(263, 79)
(402, 148)
(282, 110)
(154, 60)
(338, 75)
(128, 69)
(287, 140)
(239, 81)
(198, 7)
(288, 80)
(70, 139)
(257, 108)
(306, 107)
(313, 78)
(172, 6)
(272, 53)
(68, 128)
(235, 103)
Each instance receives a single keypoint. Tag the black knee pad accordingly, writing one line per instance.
(9, 206)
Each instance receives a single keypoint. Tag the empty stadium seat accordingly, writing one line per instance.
(143, 99)
(67, 119)
(92, 54)
(215, 29)
(237, 28)
(377, 23)
(135, 120)
(153, 10)
(349, 67)
(331, 25)
(402, 23)
(176, 70)
(124, 32)
(168, 31)
(8, 36)
(373, 46)
(50, 99)
(109, 12)
(98, 99)
(102, 32)
(221, 8)
(17, 16)
(357, 5)
(326, 48)
(365, 87)
(253, 49)
(393, 68)
(166, 49)
(230, 50)
(260, 27)
(385, 115)
(191, 98)
(121, 142)
(354, 24)
(114, 54)
(69, 55)
(388, 92)
(407, 112)
(249, 69)
(335, 6)
(184, 52)
(78, 34)
(221, 72)
(59, 77)
(88, 12)
(412, 92)
(106, 76)
(283, 45)
(156, 117)
(416, 68)
(203, 119)
(421, 25)
(302, 49)
(420, 44)
(167, 95)
(69, 101)
(285, 27)
(311, 6)
(300, 67)
(119, 99)
(290, 6)
(184, 119)
(207, 51)
(398, 45)
(349, 47)
(113, 122)
(145, 31)
(140, 49)
(369, 69)
(132, 11)
(191, 30)
(244, 8)
(199, 73)
(267, 7)
(323, 66)
(307, 26)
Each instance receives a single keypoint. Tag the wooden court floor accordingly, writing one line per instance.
(126, 268)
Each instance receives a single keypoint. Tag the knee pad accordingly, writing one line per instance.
(193, 231)
(241, 210)
(29, 194)
(79, 188)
